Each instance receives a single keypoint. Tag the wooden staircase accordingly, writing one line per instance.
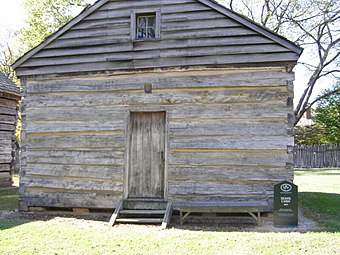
(142, 211)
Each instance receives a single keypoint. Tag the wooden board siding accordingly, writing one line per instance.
(228, 133)
(192, 34)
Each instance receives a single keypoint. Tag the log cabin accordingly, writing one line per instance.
(157, 104)
(9, 98)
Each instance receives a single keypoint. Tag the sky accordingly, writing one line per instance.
(12, 18)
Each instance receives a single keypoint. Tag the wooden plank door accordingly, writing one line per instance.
(146, 155)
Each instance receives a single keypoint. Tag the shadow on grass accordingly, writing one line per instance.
(11, 223)
(9, 198)
(323, 208)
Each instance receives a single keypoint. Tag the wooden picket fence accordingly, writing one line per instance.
(317, 156)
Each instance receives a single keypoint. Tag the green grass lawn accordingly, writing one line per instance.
(319, 194)
(8, 198)
(319, 197)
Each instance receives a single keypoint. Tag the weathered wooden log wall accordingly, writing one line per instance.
(8, 119)
(228, 132)
(224, 86)
(317, 156)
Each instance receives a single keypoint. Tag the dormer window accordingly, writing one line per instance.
(145, 25)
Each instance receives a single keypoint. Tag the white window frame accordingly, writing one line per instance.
(133, 31)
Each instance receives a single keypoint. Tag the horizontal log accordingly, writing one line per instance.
(103, 157)
(238, 158)
(7, 127)
(70, 199)
(72, 184)
(5, 157)
(7, 119)
(86, 112)
(10, 96)
(225, 173)
(8, 111)
(74, 114)
(232, 142)
(202, 79)
(190, 96)
(5, 167)
(8, 103)
(5, 135)
(232, 110)
(76, 141)
(56, 127)
(5, 176)
(5, 145)
(220, 188)
(111, 172)
(5, 182)
(228, 127)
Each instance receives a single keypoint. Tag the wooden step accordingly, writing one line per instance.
(145, 200)
(142, 212)
(144, 204)
(128, 211)
(140, 220)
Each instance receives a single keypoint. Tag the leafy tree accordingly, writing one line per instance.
(7, 57)
(313, 24)
(43, 17)
(327, 114)
(313, 134)
(8, 54)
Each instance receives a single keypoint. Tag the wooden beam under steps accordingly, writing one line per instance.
(114, 216)
(142, 212)
(140, 220)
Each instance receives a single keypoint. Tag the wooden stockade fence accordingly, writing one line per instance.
(318, 155)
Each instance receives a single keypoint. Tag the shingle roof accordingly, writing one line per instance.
(8, 85)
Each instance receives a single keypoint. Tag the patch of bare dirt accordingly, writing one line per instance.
(220, 223)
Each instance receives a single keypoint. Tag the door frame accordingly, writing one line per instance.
(127, 156)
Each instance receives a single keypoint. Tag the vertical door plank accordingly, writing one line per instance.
(146, 155)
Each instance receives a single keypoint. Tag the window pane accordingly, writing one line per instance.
(141, 22)
(141, 33)
(151, 33)
(151, 21)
